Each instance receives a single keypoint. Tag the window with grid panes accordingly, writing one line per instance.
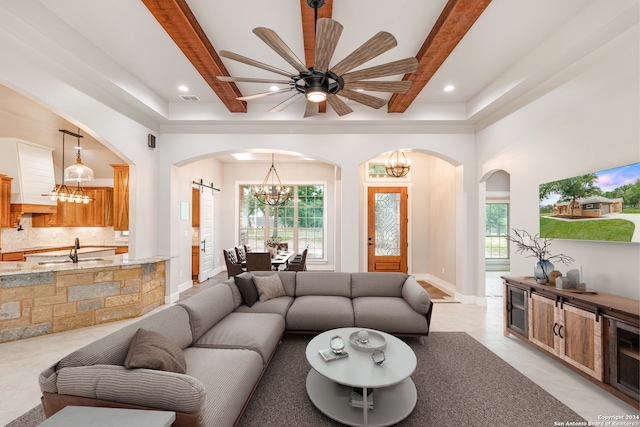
(299, 222)
(497, 228)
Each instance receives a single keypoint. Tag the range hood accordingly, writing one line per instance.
(31, 167)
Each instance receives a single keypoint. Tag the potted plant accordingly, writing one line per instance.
(539, 248)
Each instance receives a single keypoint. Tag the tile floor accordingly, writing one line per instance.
(22, 361)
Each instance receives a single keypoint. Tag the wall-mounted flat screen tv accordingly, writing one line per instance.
(601, 206)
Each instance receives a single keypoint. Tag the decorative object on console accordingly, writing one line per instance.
(397, 167)
(553, 276)
(271, 194)
(539, 248)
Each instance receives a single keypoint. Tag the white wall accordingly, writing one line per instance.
(586, 122)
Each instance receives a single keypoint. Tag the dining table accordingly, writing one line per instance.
(282, 258)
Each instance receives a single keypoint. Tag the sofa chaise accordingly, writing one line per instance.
(203, 358)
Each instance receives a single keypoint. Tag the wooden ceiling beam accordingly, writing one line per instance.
(457, 17)
(178, 21)
(309, 33)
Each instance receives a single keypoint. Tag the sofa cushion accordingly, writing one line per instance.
(173, 322)
(144, 387)
(277, 305)
(323, 283)
(388, 314)
(247, 288)
(385, 284)
(269, 287)
(235, 292)
(152, 350)
(207, 308)
(229, 377)
(319, 313)
(416, 296)
(288, 279)
(260, 332)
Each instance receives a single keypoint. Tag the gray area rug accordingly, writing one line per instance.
(459, 381)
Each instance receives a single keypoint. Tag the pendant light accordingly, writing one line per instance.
(62, 193)
(397, 167)
(270, 193)
(78, 172)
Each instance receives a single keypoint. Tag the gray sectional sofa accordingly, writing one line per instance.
(226, 343)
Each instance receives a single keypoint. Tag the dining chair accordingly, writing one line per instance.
(233, 266)
(299, 263)
(259, 261)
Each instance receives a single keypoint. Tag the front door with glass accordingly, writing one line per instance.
(387, 229)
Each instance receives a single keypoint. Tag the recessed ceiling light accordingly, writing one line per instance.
(274, 88)
(449, 88)
(183, 88)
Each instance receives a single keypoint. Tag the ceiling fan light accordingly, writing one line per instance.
(316, 95)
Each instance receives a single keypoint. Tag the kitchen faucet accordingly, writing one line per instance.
(73, 254)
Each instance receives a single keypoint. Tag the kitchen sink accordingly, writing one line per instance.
(68, 261)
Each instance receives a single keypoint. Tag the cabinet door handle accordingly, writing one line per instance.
(508, 306)
(555, 325)
(560, 331)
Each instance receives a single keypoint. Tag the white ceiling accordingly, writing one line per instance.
(123, 57)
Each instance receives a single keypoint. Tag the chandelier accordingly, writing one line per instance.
(397, 167)
(272, 193)
(62, 193)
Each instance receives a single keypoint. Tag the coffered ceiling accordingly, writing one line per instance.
(135, 54)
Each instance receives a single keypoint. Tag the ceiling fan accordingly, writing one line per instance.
(322, 81)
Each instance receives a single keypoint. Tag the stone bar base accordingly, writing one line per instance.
(41, 303)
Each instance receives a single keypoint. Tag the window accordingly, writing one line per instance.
(497, 227)
(299, 222)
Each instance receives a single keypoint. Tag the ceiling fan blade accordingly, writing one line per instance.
(363, 98)
(338, 105)
(252, 80)
(328, 33)
(403, 66)
(280, 47)
(376, 45)
(254, 63)
(263, 94)
(311, 109)
(284, 104)
(376, 86)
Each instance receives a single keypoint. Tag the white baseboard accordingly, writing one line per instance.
(451, 289)
(170, 299)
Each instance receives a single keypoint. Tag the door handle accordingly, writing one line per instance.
(204, 246)
(555, 325)
(560, 331)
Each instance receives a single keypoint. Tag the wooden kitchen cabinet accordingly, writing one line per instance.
(195, 207)
(13, 256)
(96, 213)
(120, 197)
(5, 201)
(195, 262)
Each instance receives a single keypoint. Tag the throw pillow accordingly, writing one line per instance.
(247, 288)
(269, 287)
(152, 350)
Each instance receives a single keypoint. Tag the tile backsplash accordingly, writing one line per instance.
(29, 237)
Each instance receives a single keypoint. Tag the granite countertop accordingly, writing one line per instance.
(10, 268)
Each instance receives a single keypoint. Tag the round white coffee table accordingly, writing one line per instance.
(329, 384)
